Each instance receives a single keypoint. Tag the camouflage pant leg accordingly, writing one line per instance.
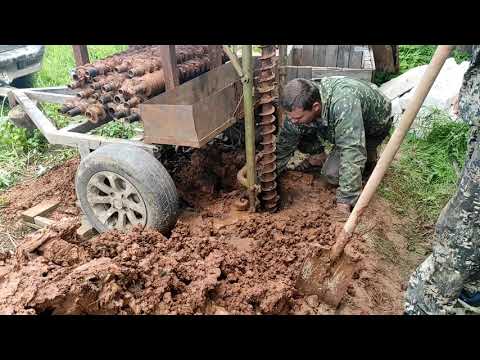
(455, 260)
(332, 165)
(331, 168)
(374, 140)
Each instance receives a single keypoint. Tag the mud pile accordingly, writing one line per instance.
(217, 260)
(57, 184)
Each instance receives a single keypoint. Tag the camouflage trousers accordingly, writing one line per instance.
(331, 167)
(455, 260)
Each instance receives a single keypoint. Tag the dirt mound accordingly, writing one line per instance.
(58, 184)
(216, 261)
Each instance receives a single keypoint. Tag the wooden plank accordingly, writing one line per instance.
(356, 55)
(361, 74)
(43, 221)
(307, 55)
(215, 55)
(80, 53)
(319, 52)
(305, 72)
(86, 231)
(169, 66)
(296, 55)
(41, 209)
(292, 72)
(32, 225)
(331, 55)
(343, 56)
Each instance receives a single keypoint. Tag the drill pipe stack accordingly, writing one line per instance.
(267, 163)
(116, 85)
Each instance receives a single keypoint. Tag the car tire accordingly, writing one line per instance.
(129, 181)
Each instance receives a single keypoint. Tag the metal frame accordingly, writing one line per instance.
(73, 135)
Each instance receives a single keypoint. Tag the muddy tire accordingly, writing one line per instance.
(120, 185)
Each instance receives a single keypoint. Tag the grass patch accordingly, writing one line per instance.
(426, 174)
(24, 155)
(411, 56)
(117, 129)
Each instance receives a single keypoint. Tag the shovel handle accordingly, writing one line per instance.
(441, 54)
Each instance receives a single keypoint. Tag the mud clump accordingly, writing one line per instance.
(57, 184)
(217, 260)
(245, 266)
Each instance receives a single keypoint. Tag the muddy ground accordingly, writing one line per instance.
(217, 260)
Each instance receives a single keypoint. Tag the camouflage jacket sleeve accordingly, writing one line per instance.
(288, 140)
(350, 142)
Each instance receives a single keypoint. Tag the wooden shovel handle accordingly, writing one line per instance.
(441, 54)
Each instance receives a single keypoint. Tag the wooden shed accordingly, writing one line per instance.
(316, 61)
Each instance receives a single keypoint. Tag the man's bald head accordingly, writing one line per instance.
(301, 101)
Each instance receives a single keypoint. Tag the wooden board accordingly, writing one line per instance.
(343, 56)
(356, 56)
(296, 55)
(304, 72)
(41, 209)
(292, 72)
(80, 53)
(319, 72)
(331, 52)
(319, 52)
(307, 55)
(169, 66)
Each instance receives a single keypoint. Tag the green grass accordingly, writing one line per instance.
(24, 155)
(426, 175)
(411, 56)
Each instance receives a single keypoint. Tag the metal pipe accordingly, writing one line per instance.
(234, 59)
(247, 70)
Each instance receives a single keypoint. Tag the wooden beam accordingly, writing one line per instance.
(169, 66)
(80, 53)
(215, 55)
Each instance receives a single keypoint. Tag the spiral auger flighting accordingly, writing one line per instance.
(265, 84)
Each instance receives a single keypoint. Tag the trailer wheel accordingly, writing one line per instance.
(123, 185)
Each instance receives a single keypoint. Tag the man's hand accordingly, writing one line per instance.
(318, 159)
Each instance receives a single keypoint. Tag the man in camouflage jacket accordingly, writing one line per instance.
(452, 271)
(350, 114)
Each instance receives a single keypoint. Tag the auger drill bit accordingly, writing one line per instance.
(268, 160)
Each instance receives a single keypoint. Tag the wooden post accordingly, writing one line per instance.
(80, 53)
(385, 58)
(169, 66)
(249, 122)
(282, 77)
(215, 55)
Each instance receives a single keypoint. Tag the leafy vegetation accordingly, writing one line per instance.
(426, 174)
(24, 154)
(117, 129)
(411, 56)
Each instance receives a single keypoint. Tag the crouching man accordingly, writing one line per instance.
(350, 114)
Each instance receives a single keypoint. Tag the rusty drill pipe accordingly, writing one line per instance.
(133, 102)
(134, 115)
(95, 113)
(111, 108)
(85, 93)
(119, 99)
(106, 98)
(80, 108)
(76, 84)
(147, 67)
